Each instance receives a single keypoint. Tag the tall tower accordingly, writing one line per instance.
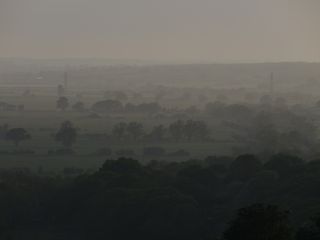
(271, 86)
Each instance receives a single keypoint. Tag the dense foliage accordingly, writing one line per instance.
(188, 200)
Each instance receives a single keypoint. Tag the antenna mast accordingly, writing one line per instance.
(272, 85)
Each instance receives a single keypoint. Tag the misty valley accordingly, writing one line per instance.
(97, 150)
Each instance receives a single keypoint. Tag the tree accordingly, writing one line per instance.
(245, 167)
(3, 130)
(135, 130)
(67, 134)
(189, 129)
(196, 130)
(260, 222)
(122, 165)
(119, 131)
(63, 103)
(16, 135)
(285, 165)
(310, 230)
(238, 111)
(260, 135)
(111, 106)
(203, 131)
(158, 133)
(60, 90)
(265, 134)
(78, 106)
(176, 130)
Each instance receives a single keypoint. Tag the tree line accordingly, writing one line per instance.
(196, 199)
(109, 106)
(67, 134)
(189, 130)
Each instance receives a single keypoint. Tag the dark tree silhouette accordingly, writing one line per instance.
(203, 131)
(176, 130)
(16, 135)
(260, 222)
(182, 200)
(285, 165)
(60, 90)
(62, 103)
(3, 130)
(190, 129)
(216, 108)
(310, 230)
(158, 133)
(119, 131)
(67, 134)
(110, 106)
(196, 130)
(135, 130)
(245, 167)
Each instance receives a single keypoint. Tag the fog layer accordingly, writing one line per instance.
(171, 30)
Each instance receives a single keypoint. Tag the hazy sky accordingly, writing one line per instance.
(186, 30)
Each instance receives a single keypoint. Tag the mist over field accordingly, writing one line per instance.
(145, 119)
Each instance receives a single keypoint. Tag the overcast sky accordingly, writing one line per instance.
(174, 30)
